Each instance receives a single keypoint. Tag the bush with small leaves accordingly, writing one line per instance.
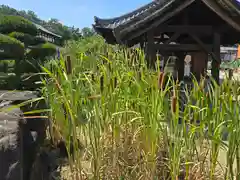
(10, 48)
(9, 23)
(42, 51)
(27, 39)
(38, 40)
(6, 66)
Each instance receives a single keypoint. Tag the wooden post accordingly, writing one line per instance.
(151, 52)
(68, 65)
(230, 73)
(180, 65)
(199, 64)
(165, 61)
(217, 60)
(142, 43)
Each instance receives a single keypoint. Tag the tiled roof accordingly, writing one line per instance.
(230, 5)
(142, 11)
(116, 29)
(46, 31)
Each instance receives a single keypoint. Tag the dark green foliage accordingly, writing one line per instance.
(88, 32)
(28, 66)
(6, 66)
(10, 48)
(42, 51)
(27, 39)
(9, 23)
(38, 40)
(3, 67)
(9, 40)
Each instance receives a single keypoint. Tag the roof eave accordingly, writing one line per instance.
(126, 30)
(102, 22)
(123, 31)
(215, 7)
(100, 30)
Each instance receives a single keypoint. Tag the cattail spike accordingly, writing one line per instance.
(68, 65)
(115, 82)
(102, 83)
(161, 80)
(174, 104)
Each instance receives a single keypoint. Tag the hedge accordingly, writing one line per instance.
(38, 40)
(29, 67)
(9, 23)
(6, 66)
(27, 39)
(10, 48)
(42, 51)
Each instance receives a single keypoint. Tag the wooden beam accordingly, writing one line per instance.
(161, 37)
(221, 13)
(181, 47)
(186, 29)
(173, 38)
(198, 41)
(151, 52)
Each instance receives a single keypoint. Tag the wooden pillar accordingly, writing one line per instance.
(180, 65)
(141, 45)
(165, 60)
(230, 73)
(151, 51)
(216, 59)
(199, 64)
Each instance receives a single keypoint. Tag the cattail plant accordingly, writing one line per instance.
(127, 116)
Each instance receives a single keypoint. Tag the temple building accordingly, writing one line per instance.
(48, 35)
(181, 27)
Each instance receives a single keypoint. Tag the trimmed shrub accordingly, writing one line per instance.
(10, 48)
(27, 39)
(42, 51)
(9, 23)
(6, 66)
(38, 40)
(29, 66)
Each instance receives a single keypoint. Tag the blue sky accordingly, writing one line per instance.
(79, 13)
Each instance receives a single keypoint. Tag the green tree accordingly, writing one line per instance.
(10, 48)
(53, 21)
(87, 32)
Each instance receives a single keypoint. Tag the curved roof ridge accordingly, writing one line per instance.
(102, 21)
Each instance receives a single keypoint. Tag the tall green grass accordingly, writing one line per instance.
(126, 117)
